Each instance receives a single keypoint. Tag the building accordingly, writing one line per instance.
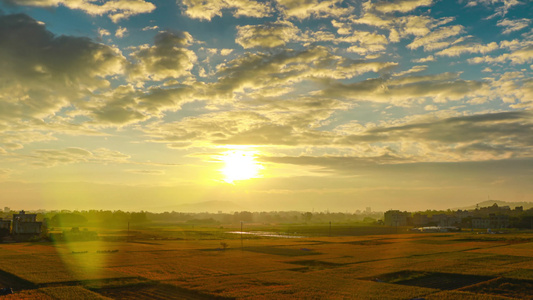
(493, 221)
(499, 221)
(7, 209)
(395, 218)
(481, 223)
(25, 225)
(5, 227)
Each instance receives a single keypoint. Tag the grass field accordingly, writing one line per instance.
(186, 263)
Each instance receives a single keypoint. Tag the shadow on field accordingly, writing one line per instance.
(314, 265)
(8, 280)
(435, 280)
(509, 287)
(155, 290)
(281, 251)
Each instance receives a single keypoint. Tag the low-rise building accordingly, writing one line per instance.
(5, 227)
(395, 218)
(25, 225)
(481, 223)
(493, 221)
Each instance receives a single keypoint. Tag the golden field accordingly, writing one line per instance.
(194, 265)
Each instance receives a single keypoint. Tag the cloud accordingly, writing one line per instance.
(402, 6)
(46, 73)
(501, 7)
(513, 25)
(260, 122)
(521, 56)
(121, 31)
(206, 10)
(425, 29)
(116, 10)
(303, 9)
(414, 69)
(269, 35)
(74, 155)
(424, 59)
(167, 58)
(155, 27)
(404, 90)
(436, 39)
(147, 172)
(261, 74)
(468, 48)
(103, 32)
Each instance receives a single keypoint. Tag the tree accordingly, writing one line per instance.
(68, 220)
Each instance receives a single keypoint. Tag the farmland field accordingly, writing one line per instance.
(213, 263)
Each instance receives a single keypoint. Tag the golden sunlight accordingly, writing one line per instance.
(240, 165)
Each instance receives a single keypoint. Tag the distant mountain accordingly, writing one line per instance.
(206, 206)
(487, 203)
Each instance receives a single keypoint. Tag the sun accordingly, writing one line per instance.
(240, 165)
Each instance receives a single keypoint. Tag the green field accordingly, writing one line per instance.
(344, 262)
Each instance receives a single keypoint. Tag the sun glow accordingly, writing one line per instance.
(240, 165)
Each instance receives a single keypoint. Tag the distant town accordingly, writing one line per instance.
(50, 225)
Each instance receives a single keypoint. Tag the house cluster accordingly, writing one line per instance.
(493, 217)
(23, 226)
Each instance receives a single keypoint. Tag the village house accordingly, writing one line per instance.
(25, 226)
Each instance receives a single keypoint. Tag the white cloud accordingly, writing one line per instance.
(103, 32)
(521, 56)
(513, 25)
(435, 39)
(206, 10)
(47, 73)
(269, 35)
(468, 48)
(424, 59)
(155, 27)
(75, 155)
(167, 58)
(501, 7)
(402, 6)
(116, 10)
(303, 9)
(414, 69)
(407, 90)
(121, 31)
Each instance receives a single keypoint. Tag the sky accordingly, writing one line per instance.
(272, 105)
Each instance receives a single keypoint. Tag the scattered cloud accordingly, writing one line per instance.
(304, 9)
(468, 48)
(116, 10)
(405, 90)
(269, 35)
(167, 58)
(75, 155)
(437, 39)
(155, 27)
(47, 73)
(199, 9)
(121, 31)
(513, 25)
(402, 6)
(520, 56)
